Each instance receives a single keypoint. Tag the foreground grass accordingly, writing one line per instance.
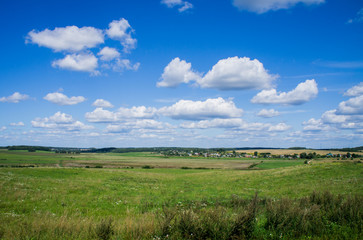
(82, 203)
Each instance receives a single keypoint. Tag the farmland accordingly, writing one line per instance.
(45, 195)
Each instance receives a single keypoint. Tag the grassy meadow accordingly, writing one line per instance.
(44, 195)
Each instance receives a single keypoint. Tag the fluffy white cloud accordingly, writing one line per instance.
(14, 98)
(355, 91)
(331, 117)
(136, 112)
(182, 5)
(122, 114)
(279, 127)
(122, 64)
(121, 30)
(262, 6)
(108, 54)
(138, 124)
(78, 62)
(70, 38)
(60, 121)
(101, 115)
(353, 106)
(177, 72)
(211, 108)
(101, 103)
(268, 113)
(215, 123)
(237, 73)
(61, 99)
(315, 125)
(18, 124)
(304, 92)
(236, 124)
(3, 128)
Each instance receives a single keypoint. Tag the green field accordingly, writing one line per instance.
(66, 197)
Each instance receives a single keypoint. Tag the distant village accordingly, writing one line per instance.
(256, 154)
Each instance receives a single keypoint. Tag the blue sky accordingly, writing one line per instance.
(185, 73)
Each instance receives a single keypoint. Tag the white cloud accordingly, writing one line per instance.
(237, 73)
(138, 124)
(262, 6)
(61, 99)
(211, 108)
(177, 72)
(279, 127)
(121, 30)
(355, 91)
(122, 64)
(3, 128)
(18, 124)
(352, 106)
(78, 62)
(182, 5)
(70, 38)
(331, 117)
(268, 113)
(101, 103)
(314, 125)
(304, 92)
(60, 121)
(136, 112)
(14, 98)
(108, 54)
(215, 123)
(100, 115)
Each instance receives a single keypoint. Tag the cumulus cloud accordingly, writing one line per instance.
(77, 46)
(353, 106)
(70, 38)
(60, 121)
(108, 54)
(3, 128)
(78, 62)
(177, 72)
(236, 124)
(182, 5)
(61, 99)
(211, 108)
(14, 98)
(262, 6)
(314, 125)
(279, 127)
(124, 64)
(215, 123)
(332, 117)
(101, 115)
(268, 113)
(355, 91)
(237, 73)
(101, 103)
(138, 124)
(304, 92)
(121, 30)
(18, 124)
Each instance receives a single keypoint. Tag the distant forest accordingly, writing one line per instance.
(153, 149)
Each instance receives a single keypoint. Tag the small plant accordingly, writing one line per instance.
(104, 229)
(147, 167)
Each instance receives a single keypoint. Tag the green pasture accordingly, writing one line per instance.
(56, 200)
